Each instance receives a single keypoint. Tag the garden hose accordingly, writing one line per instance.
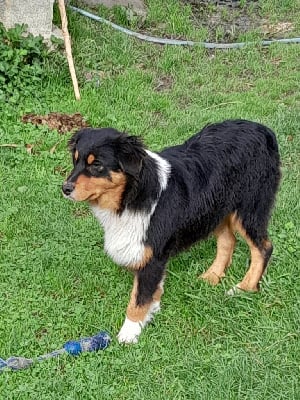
(157, 40)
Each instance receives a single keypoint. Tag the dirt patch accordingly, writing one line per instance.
(164, 83)
(63, 123)
(226, 20)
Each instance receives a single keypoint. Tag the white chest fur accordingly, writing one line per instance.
(124, 235)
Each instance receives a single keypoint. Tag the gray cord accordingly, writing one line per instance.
(180, 42)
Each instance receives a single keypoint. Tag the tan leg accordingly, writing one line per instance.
(139, 313)
(251, 280)
(137, 316)
(225, 247)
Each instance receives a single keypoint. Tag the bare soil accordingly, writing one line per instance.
(63, 123)
(225, 20)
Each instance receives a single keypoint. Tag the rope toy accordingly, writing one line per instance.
(73, 347)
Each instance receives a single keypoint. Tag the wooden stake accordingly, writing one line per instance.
(64, 27)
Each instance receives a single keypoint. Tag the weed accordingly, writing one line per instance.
(21, 59)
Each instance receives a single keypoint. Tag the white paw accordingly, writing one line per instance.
(234, 291)
(130, 332)
(154, 308)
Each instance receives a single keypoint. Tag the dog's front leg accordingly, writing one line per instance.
(144, 301)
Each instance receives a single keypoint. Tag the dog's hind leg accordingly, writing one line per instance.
(225, 246)
(260, 249)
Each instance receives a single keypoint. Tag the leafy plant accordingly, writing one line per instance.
(21, 59)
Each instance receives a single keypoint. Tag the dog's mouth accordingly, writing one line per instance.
(72, 196)
(68, 196)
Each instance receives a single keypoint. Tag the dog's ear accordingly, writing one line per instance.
(73, 140)
(130, 154)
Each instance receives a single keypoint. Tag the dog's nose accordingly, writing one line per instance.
(68, 188)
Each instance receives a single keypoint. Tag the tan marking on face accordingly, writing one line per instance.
(148, 254)
(104, 192)
(76, 155)
(90, 159)
(138, 313)
(225, 246)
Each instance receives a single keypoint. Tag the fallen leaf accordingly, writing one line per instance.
(276, 61)
(53, 148)
(29, 148)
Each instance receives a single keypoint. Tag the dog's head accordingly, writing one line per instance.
(105, 160)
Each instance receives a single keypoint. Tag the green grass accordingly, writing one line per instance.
(56, 282)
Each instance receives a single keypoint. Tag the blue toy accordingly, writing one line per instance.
(73, 347)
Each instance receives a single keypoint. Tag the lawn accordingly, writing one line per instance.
(56, 282)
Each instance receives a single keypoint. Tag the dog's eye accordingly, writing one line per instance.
(97, 164)
(96, 167)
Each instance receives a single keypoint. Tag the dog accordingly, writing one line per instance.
(151, 205)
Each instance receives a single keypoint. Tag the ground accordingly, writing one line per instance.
(57, 284)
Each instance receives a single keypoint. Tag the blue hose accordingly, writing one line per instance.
(180, 42)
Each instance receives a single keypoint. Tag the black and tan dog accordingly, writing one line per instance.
(153, 205)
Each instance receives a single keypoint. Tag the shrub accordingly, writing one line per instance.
(21, 59)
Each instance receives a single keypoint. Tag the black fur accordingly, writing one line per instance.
(229, 167)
